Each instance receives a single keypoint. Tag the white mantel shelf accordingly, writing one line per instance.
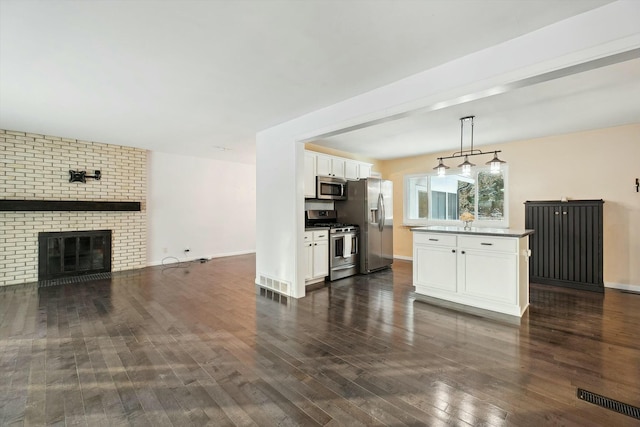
(476, 231)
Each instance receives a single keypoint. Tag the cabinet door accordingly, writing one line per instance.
(323, 165)
(435, 267)
(545, 243)
(489, 275)
(308, 251)
(364, 171)
(337, 167)
(309, 175)
(581, 244)
(351, 170)
(321, 259)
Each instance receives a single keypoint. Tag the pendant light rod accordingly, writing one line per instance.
(468, 153)
(472, 151)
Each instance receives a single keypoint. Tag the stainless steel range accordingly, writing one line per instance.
(343, 243)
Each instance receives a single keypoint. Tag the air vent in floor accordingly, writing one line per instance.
(605, 402)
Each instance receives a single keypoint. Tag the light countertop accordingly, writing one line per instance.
(312, 228)
(475, 231)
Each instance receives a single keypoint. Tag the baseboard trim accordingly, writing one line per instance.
(402, 257)
(174, 260)
(622, 286)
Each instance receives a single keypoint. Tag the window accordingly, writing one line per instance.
(431, 199)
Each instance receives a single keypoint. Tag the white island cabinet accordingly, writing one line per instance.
(481, 268)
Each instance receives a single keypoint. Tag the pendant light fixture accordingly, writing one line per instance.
(495, 163)
(466, 166)
(441, 168)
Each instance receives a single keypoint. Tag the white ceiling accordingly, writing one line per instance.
(190, 76)
(594, 99)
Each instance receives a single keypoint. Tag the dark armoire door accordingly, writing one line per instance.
(566, 248)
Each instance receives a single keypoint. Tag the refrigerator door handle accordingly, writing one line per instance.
(381, 212)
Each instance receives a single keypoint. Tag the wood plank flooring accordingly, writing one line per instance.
(197, 345)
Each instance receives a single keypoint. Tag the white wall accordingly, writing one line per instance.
(280, 159)
(206, 205)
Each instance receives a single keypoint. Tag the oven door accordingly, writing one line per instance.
(344, 249)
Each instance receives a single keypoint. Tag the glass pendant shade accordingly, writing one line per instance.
(495, 163)
(466, 166)
(441, 168)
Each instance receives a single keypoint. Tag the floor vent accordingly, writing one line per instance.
(275, 284)
(73, 279)
(605, 402)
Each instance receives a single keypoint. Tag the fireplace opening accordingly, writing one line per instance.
(73, 253)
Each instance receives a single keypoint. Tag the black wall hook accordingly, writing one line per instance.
(637, 185)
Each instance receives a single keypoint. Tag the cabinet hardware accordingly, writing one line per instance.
(463, 252)
(564, 213)
(486, 244)
(453, 250)
(433, 240)
(557, 213)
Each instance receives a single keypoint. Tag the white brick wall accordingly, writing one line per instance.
(36, 167)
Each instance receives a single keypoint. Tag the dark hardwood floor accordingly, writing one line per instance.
(199, 346)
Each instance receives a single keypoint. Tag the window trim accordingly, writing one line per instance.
(477, 223)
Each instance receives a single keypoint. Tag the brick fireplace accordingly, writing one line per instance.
(36, 167)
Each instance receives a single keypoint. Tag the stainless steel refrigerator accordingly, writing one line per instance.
(369, 205)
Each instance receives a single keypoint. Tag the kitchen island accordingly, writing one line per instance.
(478, 268)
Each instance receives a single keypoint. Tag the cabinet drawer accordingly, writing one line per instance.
(501, 244)
(434, 239)
(320, 235)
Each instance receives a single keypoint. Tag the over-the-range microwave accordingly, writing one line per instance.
(331, 188)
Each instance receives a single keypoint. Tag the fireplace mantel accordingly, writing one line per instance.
(66, 205)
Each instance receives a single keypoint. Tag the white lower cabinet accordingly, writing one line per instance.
(317, 255)
(488, 275)
(485, 272)
(442, 278)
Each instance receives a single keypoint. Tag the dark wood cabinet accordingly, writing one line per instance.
(566, 248)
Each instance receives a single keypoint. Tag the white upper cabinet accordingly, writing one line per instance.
(316, 164)
(329, 166)
(352, 170)
(364, 170)
(309, 174)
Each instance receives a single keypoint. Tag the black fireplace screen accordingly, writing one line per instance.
(73, 253)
